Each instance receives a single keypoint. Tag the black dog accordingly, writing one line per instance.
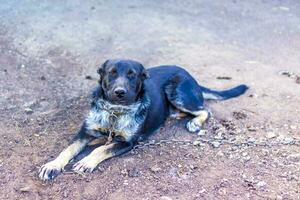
(129, 104)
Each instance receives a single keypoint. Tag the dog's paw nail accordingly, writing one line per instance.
(192, 126)
(83, 167)
(49, 171)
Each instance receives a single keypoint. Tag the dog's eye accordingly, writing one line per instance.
(130, 74)
(113, 71)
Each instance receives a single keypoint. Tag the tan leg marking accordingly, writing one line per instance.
(90, 162)
(178, 114)
(196, 123)
(98, 141)
(53, 168)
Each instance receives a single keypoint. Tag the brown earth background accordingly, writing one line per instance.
(250, 149)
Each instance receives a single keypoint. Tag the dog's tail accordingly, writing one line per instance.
(224, 94)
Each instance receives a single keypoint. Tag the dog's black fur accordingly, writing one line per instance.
(129, 104)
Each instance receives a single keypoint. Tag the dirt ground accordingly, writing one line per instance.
(250, 148)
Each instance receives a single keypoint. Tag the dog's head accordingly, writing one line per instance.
(121, 80)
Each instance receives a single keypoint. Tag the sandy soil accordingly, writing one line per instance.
(250, 149)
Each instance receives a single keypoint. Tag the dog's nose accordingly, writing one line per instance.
(120, 92)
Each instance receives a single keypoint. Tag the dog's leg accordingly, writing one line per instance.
(90, 162)
(184, 93)
(51, 169)
(196, 123)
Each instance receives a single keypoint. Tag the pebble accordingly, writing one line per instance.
(215, 144)
(298, 79)
(65, 194)
(133, 172)
(88, 77)
(293, 127)
(28, 110)
(278, 197)
(251, 128)
(165, 198)
(202, 191)
(244, 154)
(253, 96)
(294, 157)
(251, 140)
(247, 158)
(24, 189)
(197, 143)
(287, 73)
(155, 169)
(271, 135)
(261, 184)
(124, 172)
(202, 132)
(219, 136)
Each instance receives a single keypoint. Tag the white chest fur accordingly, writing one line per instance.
(120, 120)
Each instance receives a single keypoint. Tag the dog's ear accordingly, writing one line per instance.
(101, 69)
(145, 74)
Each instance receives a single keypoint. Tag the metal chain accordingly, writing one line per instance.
(210, 141)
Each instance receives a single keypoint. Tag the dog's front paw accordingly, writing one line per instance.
(85, 165)
(50, 170)
(192, 126)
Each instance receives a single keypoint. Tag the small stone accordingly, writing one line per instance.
(287, 73)
(244, 154)
(294, 157)
(124, 172)
(24, 189)
(65, 194)
(271, 135)
(155, 169)
(197, 143)
(251, 128)
(251, 140)
(28, 110)
(224, 78)
(298, 79)
(215, 144)
(220, 154)
(219, 136)
(265, 152)
(253, 96)
(239, 115)
(133, 172)
(278, 197)
(125, 182)
(247, 158)
(222, 191)
(88, 77)
(192, 167)
(261, 184)
(43, 78)
(293, 127)
(202, 132)
(284, 8)
(202, 191)
(165, 198)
